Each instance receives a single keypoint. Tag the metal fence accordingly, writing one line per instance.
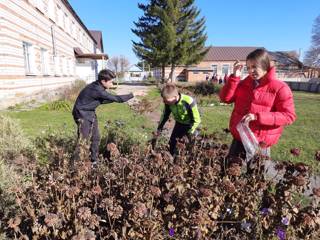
(311, 86)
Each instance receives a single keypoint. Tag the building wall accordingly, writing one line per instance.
(222, 67)
(100, 64)
(179, 73)
(198, 76)
(50, 33)
(86, 70)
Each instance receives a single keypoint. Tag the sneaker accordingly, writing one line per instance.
(94, 164)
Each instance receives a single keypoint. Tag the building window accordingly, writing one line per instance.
(245, 70)
(133, 74)
(71, 66)
(64, 66)
(60, 16)
(80, 37)
(225, 69)
(214, 69)
(44, 61)
(57, 65)
(73, 30)
(51, 9)
(40, 4)
(66, 23)
(28, 54)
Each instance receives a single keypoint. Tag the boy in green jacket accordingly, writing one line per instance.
(185, 113)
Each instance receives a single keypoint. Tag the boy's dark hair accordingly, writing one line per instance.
(169, 91)
(261, 57)
(106, 75)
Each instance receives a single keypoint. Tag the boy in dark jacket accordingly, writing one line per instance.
(84, 108)
(185, 113)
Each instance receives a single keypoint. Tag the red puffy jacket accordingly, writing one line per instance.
(271, 101)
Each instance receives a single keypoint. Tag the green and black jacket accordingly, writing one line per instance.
(185, 111)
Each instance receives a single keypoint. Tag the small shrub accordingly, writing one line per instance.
(206, 88)
(203, 88)
(59, 105)
(53, 143)
(12, 138)
(120, 133)
(207, 101)
(71, 92)
(9, 179)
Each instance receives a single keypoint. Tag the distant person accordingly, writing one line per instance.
(84, 108)
(261, 101)
(213, 77)
(225, 78)
(185, 113)
(207, 78)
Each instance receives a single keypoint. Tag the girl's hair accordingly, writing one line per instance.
(169, 91)
(261, 57)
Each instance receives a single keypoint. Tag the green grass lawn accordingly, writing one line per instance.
(34, 122)
(303, 134)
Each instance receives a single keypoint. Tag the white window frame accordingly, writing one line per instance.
(40, 4)
(57, 65)
(66, 23)
(29, 58)
(60, 16)
(51, 9)
(71, 67)
(73, 30)
(228, 69)
(214, 68)
(64, 66)
(44, 61)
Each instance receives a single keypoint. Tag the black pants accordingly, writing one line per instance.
(88, 131)
(237, 149)
(179, 131)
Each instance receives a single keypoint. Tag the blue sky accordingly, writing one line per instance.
(273, 24)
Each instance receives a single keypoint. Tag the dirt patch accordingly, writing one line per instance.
(150, 110)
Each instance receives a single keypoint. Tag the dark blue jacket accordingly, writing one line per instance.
(91, 97)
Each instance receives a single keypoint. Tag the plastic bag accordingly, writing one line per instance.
(248, 140)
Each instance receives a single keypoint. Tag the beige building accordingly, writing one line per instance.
(219, 62)
(44, 45)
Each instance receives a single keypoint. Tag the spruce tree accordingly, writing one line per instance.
(171, 34)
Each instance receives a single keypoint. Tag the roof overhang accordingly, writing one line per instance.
(97, 56)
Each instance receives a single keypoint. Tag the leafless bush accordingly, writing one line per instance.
(151, 195)
(70, 93)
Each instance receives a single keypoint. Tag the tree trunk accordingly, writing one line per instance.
(163, 69)
(172, 76)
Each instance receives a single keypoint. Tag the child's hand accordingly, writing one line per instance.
(248, 118)
(237, 68)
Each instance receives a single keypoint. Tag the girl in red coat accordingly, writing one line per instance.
(260, 100)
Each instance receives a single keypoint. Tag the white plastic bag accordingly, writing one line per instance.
(248, 140)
